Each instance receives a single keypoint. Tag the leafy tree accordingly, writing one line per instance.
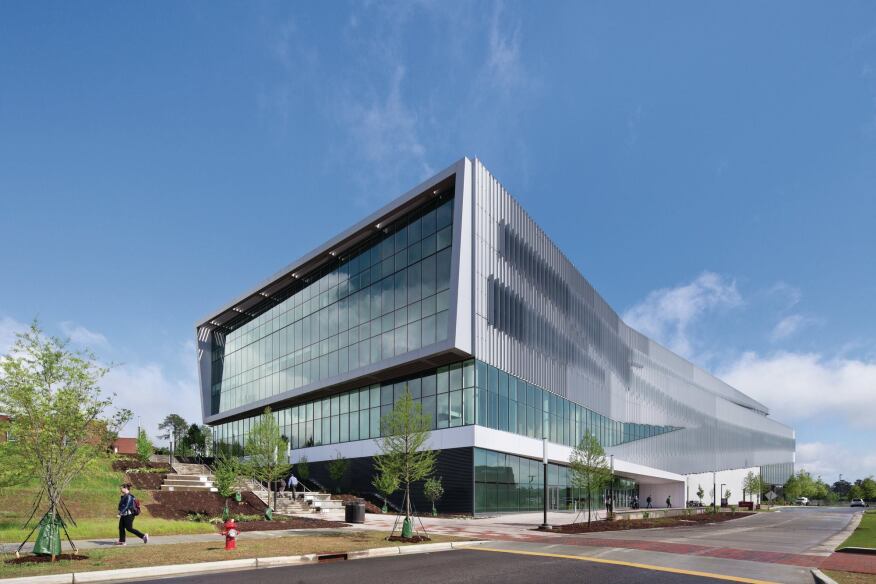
(433, 490)
(144, 446)
(303, 468)
(727, 495)
(856, 492)
(265, 448)
(58, 415)
(174, 427)
(195, 440)
(700, 493)
(337, 468)
(841, 488)
(227, 471)
(868, 486)
(752, 484)
(404, 453)
(589, 469)
(386, 485)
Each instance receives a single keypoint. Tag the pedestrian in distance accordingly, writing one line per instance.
(648, 501)
(669, 501)
(293, 484)
(635, 502)
(129, 508)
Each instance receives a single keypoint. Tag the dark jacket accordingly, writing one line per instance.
(126, 504)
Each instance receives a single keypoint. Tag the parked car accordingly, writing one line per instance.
(858, 503)
(802, 501)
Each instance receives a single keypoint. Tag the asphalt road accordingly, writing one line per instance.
(795, 530)
(462, 566)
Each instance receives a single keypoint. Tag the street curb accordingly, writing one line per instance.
(821, 577)
(126, 574)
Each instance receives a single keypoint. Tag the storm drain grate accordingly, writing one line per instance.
(331, 557)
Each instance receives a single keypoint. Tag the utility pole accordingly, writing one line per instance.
(545, 525)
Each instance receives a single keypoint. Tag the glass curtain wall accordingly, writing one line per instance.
(446, 395)
(506, 483)
(388, 298)
(460, 394)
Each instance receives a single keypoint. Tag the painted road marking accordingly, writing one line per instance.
(628, 564)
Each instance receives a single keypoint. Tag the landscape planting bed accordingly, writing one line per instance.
(146, 481)
(624, 524)
(181, 504)
(131, 464)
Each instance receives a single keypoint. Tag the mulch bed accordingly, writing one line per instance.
(145, 481)
(180, 504)
(414, 539)
(44, 559)
(291, 523)
(624, 524)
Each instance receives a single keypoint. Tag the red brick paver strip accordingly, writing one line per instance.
(846, 562)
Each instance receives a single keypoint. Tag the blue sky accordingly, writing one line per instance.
(710, 167)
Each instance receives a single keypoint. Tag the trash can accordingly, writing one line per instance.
(354, 511)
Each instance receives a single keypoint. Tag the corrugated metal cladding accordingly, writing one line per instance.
(538, 318)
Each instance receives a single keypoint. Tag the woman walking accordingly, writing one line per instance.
(127, 511)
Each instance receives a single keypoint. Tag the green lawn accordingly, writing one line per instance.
(865, 534)
(135, 554)
(93, 500)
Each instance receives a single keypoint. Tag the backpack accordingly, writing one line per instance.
(135, 508)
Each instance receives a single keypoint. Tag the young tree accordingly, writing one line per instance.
(404, 453)
(700, 493)
(265, 449)
(589, 469)
(59, 418)
(386, 485)
(754, 485)
(144, 446)
(727, 494)
(433, 490)
(337, 468)
(227, 472)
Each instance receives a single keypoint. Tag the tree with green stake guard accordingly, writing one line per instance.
(404, 454)
(59, 418)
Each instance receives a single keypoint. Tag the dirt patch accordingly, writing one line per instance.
(624, 524)
(414, 539)
(44, 559)
(145, 481)
(291, 523)
(181, 504)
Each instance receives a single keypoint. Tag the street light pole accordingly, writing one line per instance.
(545, 525)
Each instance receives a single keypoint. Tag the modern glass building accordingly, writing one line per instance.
(453, 293)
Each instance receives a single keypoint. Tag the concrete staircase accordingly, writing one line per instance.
(306, 503)
(189, 477)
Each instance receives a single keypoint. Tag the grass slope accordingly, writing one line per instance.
(865, 535)
(136, 554)
(93, 500)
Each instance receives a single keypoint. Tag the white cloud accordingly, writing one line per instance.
(9, 327)
(79, 335)
(385, 128)
(666, 315)
(152, 391)
(807, 386)
(828, 460)
(789, 326)
(503, 52)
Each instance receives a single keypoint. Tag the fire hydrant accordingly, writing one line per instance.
(230, 532)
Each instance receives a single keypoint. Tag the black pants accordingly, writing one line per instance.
(126, 523)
